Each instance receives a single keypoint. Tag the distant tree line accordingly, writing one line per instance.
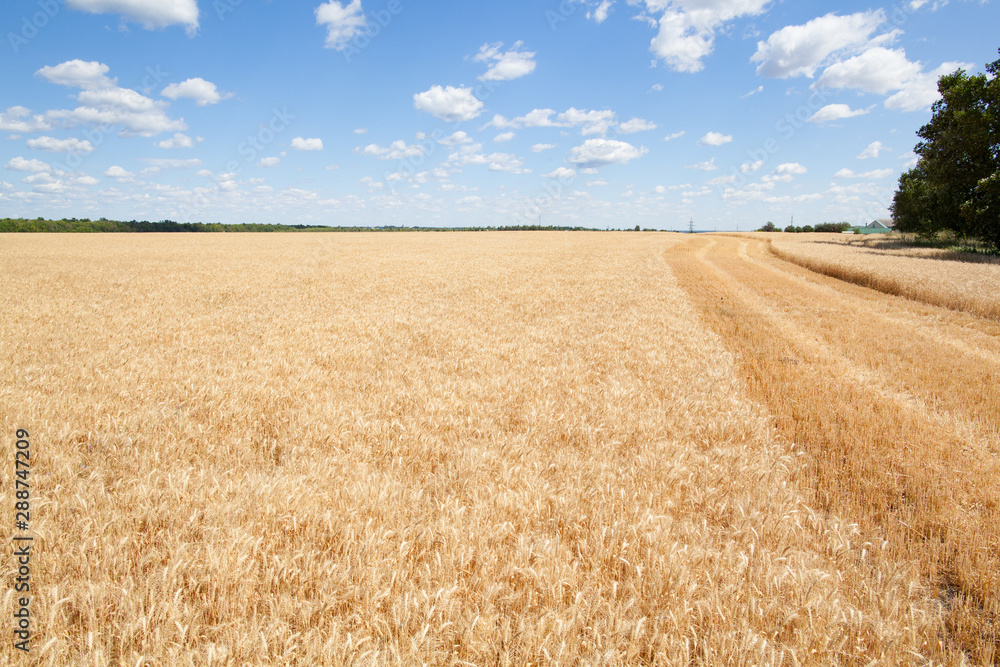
(826, 227)
(955, 186)
(84, 225)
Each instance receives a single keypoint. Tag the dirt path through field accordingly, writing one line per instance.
(894, 400)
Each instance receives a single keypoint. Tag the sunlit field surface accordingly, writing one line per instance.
(491, 449)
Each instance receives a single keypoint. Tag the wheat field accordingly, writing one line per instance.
(491, 449)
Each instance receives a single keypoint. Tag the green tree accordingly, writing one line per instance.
(769, 227)
(956, 183)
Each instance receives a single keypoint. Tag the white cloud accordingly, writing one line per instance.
(449, 103)
(591, 122)
(343, 23)
(562, 174)
(78, 74)
(505, 66)
(104, 104)
(505, 162)
(268, 162)
(910, 160)
(750, 167)
(875, 174)
(703, 166)
(687, 28)
(636, 125)
(832, 112)
(119, 174)
(758, 89)
(179, 140)
(538, 148)
(535, 118)
(361, 130)
(34, 166)
(19, 119)
(872, 150)
(60, 145)
(919, 93)
(159, 164)
(503, 137)
(455, 139)
(715, 139)
(398, 150)
(675, 135)
(596, 183)
(600, 14)
(601, 152)
(301, 144)
(877, 70)
(790, 169)
(784, 173)
(150, 15)
(798, 50)
(202, 92)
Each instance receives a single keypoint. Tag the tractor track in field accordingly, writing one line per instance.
(894, 401)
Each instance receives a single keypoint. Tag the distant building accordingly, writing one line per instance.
(883, 226)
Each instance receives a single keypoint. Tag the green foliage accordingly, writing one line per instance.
(41, 225)
(832, 227)
(769, 227)
(808, 229)
(955, 186)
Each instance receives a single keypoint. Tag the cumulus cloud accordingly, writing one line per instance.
(920, 92)
(590, 121)
(675, 135)
(687, 28)
(104, 104)
(150, 15)
(19, 119)
(601, 152)
(872, 150)
(33, 166)
(703, 166)
(875, 174)
(504, 66)
(397, 150)
(119, 174)
(562, 174)
(60, 145)
(301, 144)
(538, 148)
(179, 140)
(784, 173)
(798, 50)
(715, 139)
(268, 162)
(77, 73)
(449, 103)
(600, 13)
(832, 112)
(636, 125)
(455, 139)
(343, 23)
(202, 92)
(503, 137)
(877, 70)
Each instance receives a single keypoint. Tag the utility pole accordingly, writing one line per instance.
(691, 226)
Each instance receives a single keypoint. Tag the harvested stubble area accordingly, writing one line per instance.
(460, 449)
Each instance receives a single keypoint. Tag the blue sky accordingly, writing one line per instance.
(602, 113)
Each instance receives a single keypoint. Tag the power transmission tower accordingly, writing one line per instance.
(691, 226)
